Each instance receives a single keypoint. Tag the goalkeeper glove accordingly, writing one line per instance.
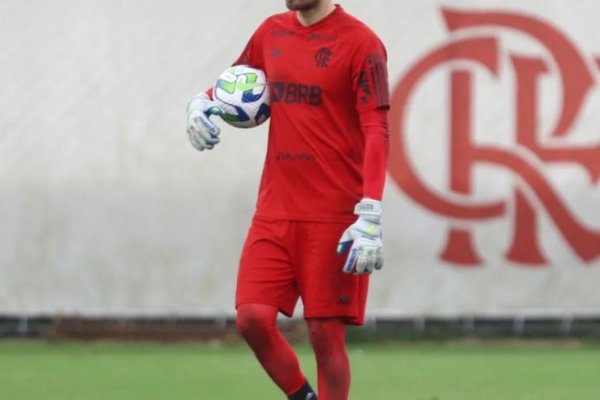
(202, 132)
(364, 239)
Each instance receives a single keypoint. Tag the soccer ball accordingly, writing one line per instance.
(243, 95)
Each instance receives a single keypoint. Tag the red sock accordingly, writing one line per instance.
(257, 324)
(328, 338)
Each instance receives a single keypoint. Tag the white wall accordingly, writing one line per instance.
(106, 210)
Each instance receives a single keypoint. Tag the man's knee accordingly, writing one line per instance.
(255, 318)
(327, 335)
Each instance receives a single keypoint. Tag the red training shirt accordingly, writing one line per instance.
(329, 100)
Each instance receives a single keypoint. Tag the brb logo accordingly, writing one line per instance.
(539, 141)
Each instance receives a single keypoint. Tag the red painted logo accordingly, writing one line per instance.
(473, 51)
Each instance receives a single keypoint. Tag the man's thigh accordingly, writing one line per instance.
(326, 291)
(265, 274)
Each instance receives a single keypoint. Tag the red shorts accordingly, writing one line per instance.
(283, 260)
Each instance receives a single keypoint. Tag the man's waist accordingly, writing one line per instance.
(261, 212)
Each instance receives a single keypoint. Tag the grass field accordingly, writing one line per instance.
(109, 371)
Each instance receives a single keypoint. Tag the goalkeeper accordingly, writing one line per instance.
(321, 188)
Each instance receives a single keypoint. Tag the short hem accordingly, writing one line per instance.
(266, 303)
(348, 319)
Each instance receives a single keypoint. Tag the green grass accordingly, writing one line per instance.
(109, 371)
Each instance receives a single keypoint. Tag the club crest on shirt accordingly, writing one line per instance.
(322, 57)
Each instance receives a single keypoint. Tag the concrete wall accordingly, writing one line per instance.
(106, 210)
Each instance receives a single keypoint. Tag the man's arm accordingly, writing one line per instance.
(364, 236)
(370, 80)
(203, 134)
(374, 126)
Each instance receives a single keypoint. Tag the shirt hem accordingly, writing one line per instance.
(350, 218)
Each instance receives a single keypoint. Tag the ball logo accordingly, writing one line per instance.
(476, 47)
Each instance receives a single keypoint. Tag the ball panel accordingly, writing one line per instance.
(242, 93)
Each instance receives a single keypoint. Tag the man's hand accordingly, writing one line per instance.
(202, 132)
(364, 236)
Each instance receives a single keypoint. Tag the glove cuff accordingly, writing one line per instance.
(198, 103)
(369, 209)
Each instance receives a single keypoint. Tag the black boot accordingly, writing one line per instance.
(305, 393)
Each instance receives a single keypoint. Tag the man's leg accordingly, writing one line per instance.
(257, 325)
(328, 339)
(331, 300)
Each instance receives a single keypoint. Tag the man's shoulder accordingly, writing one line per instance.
(359, 30)
(278, 20)
(275, 22)
(281, 17)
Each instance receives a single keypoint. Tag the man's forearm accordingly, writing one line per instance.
(375, 129)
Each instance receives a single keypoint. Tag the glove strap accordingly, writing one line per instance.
(369, 209)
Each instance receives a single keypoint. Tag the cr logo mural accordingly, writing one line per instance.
(576, 73)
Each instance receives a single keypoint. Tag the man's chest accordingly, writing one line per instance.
(306, 68)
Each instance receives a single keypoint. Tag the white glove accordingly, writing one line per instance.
(203, 134)
(366, 252)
